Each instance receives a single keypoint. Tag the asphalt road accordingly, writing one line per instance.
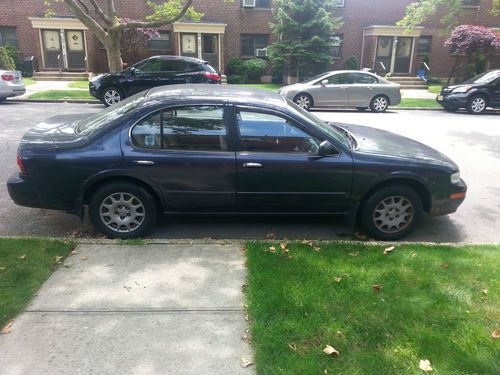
(472, 141)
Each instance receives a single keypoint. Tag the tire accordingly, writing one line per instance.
(304, 101)
(379, 104)
(3, 99)
(448, 108)
(112, 95)
(477, 104)
(134, 214)
(381, 214)
(361, 109)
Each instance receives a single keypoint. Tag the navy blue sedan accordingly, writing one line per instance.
(220, 149)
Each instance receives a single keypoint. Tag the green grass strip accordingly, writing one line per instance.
(61, 95)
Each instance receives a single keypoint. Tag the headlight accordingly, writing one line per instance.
(455, 178)
(462, 89)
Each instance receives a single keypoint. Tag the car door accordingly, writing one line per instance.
(172, 72)
(495, 93)
(335, 93)
(278, 168)
(363, 89)
(144, 75)
(185, 152)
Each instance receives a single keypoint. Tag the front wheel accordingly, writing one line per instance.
(477, 105)
(391, 213)
(304, 101)
(379, 104)
(122, 210)
(111, 95)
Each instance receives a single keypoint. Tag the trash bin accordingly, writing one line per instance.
(29, 66)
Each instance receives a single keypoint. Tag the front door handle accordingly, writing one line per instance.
(144, 162)
(252, 165)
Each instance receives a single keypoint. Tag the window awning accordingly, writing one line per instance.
(57, 23)
(388, 30)
(200, 27)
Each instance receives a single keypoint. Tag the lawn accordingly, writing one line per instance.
(383, 313)
(24, 266)
(61, 95)
(79, 85)
(436, 89)
(28, 81)
(418, 103)
(266, 86)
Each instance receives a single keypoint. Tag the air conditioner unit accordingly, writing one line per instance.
(261, 52)
(248, 3)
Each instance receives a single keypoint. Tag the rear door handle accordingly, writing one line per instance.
(144, 162)
(252, 165)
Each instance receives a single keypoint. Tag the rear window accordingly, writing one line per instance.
(209, 68)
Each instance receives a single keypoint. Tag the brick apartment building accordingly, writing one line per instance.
(230, 29)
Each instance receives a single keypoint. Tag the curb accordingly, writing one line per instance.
(81, 101)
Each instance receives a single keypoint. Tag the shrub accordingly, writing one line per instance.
(254, 69)
(235, 79)
(15, 56)
(6, 61)
(351, 63)
(234, 66)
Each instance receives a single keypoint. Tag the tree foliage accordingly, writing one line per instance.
(135, 41)
(304, 30)
(103, 21)
(6, 61)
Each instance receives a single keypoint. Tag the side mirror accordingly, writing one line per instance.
(326, 148)
(324, 82)
(132, 70)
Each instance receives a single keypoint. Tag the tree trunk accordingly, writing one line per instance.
(113, 51)
(453, 70)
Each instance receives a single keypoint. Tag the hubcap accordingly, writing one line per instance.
(122, 212)
(303, 102)
(393, 214)
(478, 105)
(112, 97)
(380, 104)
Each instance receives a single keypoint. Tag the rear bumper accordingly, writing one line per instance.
(452, 202)
(22, 192)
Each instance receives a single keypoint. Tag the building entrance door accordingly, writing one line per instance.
(383, 60)
(75, 49)
(394, 54)
(404, 49)
(52, 50)
(210, 49)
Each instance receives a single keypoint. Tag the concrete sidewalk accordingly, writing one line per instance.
(152, 309)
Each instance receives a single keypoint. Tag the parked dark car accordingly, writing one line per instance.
(475, 95)
(206, 149)
(110, 88)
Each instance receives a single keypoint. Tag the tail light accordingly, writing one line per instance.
(7, 77)
(213, 76)
(20, 165)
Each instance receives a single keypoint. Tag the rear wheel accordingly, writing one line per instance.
(379, 104)
(123, 210)
(111, 95)
(477, 105)
(304, 101)
(391, 212)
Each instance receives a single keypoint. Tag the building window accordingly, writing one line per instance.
(250, 42)
(261, 4)
(8, 35)
(337, 45)
(161, 43)
(424, 45)
(471, 3)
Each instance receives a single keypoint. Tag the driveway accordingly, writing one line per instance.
(472, 141)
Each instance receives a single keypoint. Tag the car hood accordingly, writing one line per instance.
(383, 143)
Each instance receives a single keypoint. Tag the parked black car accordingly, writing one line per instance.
(475, 95)
(205, 149)
(110, 88)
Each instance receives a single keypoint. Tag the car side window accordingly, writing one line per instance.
(262, 132)
(149, 66)
(193, 128)
(365, 79)
(340, 79)
(173, 66)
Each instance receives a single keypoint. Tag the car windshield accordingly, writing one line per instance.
(314, 78)
(101, 119)
(487, 77)
(323, 126)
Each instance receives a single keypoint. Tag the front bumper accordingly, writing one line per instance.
(453, 100)
(452, 202)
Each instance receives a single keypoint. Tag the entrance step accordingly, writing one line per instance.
(413, 83)
(61, 76)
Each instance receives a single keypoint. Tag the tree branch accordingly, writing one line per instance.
(101, 14)
(87, 20)
(110, 9)
(152, 24)
(85, 8)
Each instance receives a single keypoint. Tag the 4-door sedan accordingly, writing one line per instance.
(219, 149)
(110, 88)
(475, 94)
(344, 88)
(11, 84)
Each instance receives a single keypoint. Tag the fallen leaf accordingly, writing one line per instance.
(496, 334)
(338, 279)
(245, 337)
(329, 350)
(246, 362)
(22, 257)
(317, 248)
(68, 265)
(425, 365)
(388, 250)
(246, 317)
(355, 254)
(484, 291)
(325, 371)
(74, 252)
(8, 327)
(272, 249)
(283, 246)
(413, 255)
(376, 287)
(293, 346)
(58, 259)
(2, 268)
(444, 265)
(308, 243)
(84, 258)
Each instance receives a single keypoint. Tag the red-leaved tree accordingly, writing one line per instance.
(135, 41)
(469, 43)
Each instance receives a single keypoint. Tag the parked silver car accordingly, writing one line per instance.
(11, 84)
(344, 88)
